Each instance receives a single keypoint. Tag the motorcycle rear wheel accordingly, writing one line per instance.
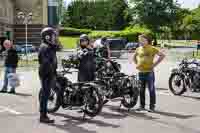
(93, 102)
(52, 100)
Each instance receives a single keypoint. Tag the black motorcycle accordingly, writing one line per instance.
(106, 67)
(70, 95)
(185, 77)
(122, 86)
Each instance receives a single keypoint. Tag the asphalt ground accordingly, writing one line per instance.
(174, 114)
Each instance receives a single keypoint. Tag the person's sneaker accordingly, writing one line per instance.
(12, 92)
(46, 120)
(141, 109)
(3, 91)
(151, 109)
(105, 101)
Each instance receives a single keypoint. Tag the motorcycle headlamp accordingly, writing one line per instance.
(108, 64)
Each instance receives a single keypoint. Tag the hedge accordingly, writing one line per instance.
(67, 31)
(130, 33)
(195, 36)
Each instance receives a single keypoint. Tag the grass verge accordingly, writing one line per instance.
(68, 42)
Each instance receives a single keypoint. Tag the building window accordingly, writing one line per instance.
(5, 12)
(11, 15)
(1, 12)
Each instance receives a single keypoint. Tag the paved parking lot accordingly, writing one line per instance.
(19, 113)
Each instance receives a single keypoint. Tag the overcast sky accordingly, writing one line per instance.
(189, 3)
(184, 3)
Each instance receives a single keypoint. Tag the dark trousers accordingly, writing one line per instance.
(47, 83)
(86, 76)
(147, 78)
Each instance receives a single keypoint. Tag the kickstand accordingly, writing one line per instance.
(84, 116)
(120, 106)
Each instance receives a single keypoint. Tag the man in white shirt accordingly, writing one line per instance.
(102, 48)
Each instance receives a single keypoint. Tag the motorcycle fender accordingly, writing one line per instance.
(178, 72)
(175, 70)
(97, 87)
(92, 84)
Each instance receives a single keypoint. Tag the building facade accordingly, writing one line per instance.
(11, 27)
(6, 17)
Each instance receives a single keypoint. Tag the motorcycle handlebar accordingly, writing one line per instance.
(63, 72)
(191, 62)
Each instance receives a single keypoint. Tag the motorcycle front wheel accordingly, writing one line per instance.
(130, 98)
(177, 84)
(93, 102)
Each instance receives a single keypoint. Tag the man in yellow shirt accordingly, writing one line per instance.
(144, 59)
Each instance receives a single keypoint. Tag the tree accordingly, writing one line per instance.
(118, 13)
(154, 13)
(99, 14)
(60, 10)
(176, 27)
(191, 24)
(65, 18)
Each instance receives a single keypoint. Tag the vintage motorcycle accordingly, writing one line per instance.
(114, 84)
(106, 67)
(70, 95)
(185, 77)
(120, 85)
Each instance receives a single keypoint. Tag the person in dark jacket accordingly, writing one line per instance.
(11, 62)
(87, 60)
(47, 69)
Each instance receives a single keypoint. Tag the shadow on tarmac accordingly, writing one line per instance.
(74, 124)
(131, 113)
(192, 97)
(23, 94)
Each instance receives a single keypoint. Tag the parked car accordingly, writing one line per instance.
(22, 49)
(116, 46)
(132, 46)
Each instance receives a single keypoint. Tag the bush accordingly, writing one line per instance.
(73, 31)
(195, 36)
(131, 34)
(98, 34)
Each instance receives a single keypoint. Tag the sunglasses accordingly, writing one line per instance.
(84, 40)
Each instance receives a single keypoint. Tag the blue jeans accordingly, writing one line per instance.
(147, 78)
(7, 71)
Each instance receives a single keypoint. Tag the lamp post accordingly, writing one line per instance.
(26, 18)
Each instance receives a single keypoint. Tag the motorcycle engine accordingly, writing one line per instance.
(196, 81)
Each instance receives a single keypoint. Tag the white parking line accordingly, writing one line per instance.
(6, 109)
(164, 93)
